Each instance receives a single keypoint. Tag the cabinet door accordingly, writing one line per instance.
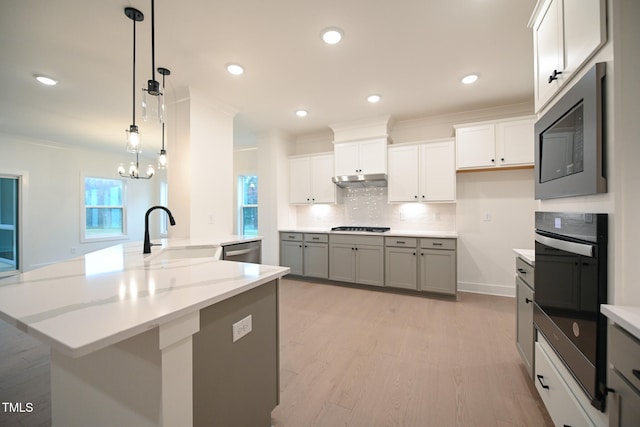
(524, 323)
(584, 31)
(623, 402)
(373, 156)
(438, 172)
(475, 146)
(342, 262)
(316, 260)
(548, 52)
(403, 174)
(438, 271)
(291, 256)
(322, 189)
(515, 142)
(401, 268)
(299, 183)
(370, 265)
(346, 158)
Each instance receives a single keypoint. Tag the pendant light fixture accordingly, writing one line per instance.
(133, 134)
(162, 159)
(152, 96)
(134, 170)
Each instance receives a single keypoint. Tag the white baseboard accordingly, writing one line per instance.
(487, 288)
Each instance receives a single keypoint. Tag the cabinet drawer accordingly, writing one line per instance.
(624, 354)
(525, 271)
(563, 407)
(449, 244)
(317, 238)
(401, 242)
(294, 237)
(356, 239)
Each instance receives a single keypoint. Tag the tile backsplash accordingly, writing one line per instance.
(369, 207)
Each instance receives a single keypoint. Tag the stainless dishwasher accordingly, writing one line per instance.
(243, 252)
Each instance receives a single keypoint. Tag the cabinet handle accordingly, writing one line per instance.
(437, 244)
(493, 160)
(423, 196)
(414, 253)
(554, 75)
(636, 372)
(315, 238)
(415, 197)
(400, 242)
(528, 301)
(502, 159)
(522, 270)
(356, 249)
(540, 377)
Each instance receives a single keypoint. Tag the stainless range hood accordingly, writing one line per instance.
(360, 181)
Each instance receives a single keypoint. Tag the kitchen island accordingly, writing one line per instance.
(152, 340)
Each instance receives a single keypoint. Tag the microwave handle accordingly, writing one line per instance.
(572, 247)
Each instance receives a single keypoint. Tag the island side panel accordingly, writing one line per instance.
(237, 383)
(118, 385)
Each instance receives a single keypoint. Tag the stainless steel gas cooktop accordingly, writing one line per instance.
(361, 228)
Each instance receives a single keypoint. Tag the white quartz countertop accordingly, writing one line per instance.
(628, 317)
(96, 300)
(392, 232)
(529, 255)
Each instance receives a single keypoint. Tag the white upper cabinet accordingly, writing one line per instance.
(508, 143)
(361, 157)
(310, 179)
(422, 173)
(566, 33)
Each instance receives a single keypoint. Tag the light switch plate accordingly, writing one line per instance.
(242, 328)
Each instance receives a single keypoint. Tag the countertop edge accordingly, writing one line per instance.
(628, 317)
(391, 233)
(528, 255)
(83, 350)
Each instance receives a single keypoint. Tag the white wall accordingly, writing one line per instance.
(201, 181)
(53, 197)
(495, 214)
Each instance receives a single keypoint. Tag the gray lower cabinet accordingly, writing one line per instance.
(524, 313)
(306, 254)
(401, 262)
(438, 266)
(623, 377)
(292, 252)
(357, 259)
(316, 256)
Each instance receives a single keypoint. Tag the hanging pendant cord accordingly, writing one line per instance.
(153, 41)
(134, 72)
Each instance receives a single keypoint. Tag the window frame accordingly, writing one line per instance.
(242, 206)
(83, 211)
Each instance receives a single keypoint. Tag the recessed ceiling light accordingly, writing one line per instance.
(332, 35)
(471, 78)
(45, 80)
(301, 113)
(235, 69)
(373, 98)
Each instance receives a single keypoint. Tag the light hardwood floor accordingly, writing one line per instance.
(356, 357)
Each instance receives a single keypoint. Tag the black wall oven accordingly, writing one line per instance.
(571, 283)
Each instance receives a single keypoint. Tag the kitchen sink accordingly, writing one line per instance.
(186, 252)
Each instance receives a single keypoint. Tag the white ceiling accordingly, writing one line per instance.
(412, 52)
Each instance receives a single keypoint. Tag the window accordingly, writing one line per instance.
(104, 209)
(9, 254)
(248, 223)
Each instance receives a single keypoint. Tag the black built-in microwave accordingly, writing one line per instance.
(570, 141)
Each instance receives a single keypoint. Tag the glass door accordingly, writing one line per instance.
(9, 262)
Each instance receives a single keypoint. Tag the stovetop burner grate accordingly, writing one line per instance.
(361, 228)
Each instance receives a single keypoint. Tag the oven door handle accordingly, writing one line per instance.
(573, 247)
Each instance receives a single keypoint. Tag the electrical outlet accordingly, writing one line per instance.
(487, 216)
(241, 328)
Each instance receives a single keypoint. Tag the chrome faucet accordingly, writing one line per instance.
(147, 242)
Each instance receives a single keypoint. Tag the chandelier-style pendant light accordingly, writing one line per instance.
(162, 159)
(134, 170)
(152, 96)
(134, 143)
